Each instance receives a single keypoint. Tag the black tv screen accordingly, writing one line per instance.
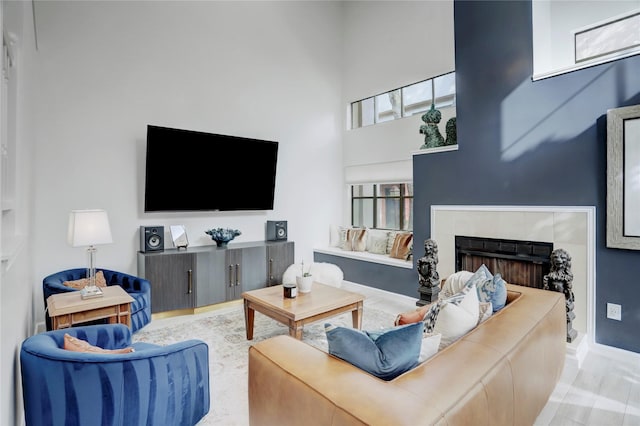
(189, 171)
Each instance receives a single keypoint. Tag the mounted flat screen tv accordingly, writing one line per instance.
(196, 171)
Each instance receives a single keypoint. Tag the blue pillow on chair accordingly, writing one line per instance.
(385, 354)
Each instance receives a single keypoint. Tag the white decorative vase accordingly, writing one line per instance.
(304, 284)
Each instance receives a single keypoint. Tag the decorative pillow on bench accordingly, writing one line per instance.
(402, 246)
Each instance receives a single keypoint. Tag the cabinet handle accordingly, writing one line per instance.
(270, 271)
(237, 274)
(190, 281)
(230, 275)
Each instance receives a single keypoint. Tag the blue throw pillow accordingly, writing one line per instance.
(386, 354)
(499, 296)
(490, 288)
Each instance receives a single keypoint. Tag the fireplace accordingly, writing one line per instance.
(522, 262)
(568, 227)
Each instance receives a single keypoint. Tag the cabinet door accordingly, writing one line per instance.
(172, 279)
(245, 270)
(210, 279)
(252, 268)
(279, 257)
(233, 274)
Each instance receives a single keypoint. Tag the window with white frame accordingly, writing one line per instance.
(382, 206)
(405, 101)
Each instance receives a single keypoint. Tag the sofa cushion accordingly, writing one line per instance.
(491, 288)
(458, 315)
(377, 241)
(353, 239)
(78, 345)
(345, 241)
(402, 246)
(83, 282)
(486, 310)
(334, 236)
(359, 239)
(430, 346)
(454, 283)
(385, 354)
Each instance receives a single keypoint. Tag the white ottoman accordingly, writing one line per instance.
(325, 273)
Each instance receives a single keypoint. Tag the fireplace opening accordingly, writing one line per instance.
(519, 262)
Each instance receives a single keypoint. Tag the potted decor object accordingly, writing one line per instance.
(305, 280)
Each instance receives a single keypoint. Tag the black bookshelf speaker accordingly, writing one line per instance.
(276, 230)
(151, 238)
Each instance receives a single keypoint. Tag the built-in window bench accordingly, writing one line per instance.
(375, 270)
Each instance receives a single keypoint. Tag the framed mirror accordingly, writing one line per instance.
(623, 177)
(571, 35)
(179, 236)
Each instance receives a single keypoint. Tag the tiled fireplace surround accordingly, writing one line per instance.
(569, 227)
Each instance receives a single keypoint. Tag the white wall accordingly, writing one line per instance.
(16, 294)
(391, 44)
(267, 70)
(282, 71)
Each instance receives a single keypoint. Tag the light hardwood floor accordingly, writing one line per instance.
(604, 391)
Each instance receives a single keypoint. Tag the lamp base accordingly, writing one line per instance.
(89, 292)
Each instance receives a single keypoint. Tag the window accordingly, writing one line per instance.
(404, 102)
(382, 206)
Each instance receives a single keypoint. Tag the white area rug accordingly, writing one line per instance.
(224, 331)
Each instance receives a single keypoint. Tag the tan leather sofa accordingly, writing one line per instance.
(500, 373)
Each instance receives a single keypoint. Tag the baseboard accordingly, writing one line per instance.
(578, 349)
(615, 353)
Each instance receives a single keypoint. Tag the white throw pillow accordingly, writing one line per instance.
(377, 241)
(430, 345)
(334, 236)
(455, 283)
(456, 320)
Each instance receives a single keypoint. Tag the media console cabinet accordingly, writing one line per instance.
(200, 276)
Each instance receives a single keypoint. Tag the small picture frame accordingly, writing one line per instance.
(179, 236)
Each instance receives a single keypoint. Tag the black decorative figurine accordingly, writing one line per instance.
(429, 278)
(432, 136)
(560, 279)
(451, 132)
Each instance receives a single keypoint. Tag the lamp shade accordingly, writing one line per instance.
(88, 228)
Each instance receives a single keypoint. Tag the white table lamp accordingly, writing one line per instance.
(89, 228)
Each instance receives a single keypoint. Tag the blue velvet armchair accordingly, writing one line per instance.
(138, 288)
(155, 385)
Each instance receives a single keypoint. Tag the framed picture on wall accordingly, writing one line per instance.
(623, 177)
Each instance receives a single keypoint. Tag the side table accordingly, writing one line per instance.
(69, 309)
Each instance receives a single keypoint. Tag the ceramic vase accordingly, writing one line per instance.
(304, 284)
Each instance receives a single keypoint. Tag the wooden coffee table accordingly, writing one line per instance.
(69, 309)
(322, 302)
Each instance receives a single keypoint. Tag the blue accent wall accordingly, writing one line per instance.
(524, 142)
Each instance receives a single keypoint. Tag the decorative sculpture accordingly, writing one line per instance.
(560, 279)
(433, 138)
(451, 132)
(428, 276)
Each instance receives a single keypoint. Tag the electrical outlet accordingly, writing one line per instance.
(614, 311)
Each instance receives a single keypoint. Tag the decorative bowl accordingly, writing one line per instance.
(222, 236)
